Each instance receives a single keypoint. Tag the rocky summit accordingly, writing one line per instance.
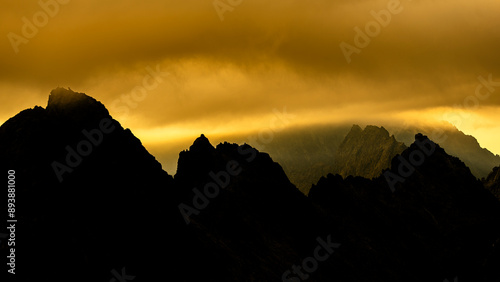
(366, 152)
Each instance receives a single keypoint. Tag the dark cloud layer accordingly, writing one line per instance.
(422, 63)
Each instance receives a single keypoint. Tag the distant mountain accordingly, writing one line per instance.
(307, 153)
(439, 220)
(492, 182)
(366, 152)
(456, 143)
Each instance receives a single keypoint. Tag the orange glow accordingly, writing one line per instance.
(225, 78)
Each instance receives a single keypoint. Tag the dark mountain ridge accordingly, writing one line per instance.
(91, 198)
(308, 153)
(85, 211)
(84, 178)
(456, 143)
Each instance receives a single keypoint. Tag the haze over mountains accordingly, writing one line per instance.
(456, 143)
(92, 199)
(307, 154)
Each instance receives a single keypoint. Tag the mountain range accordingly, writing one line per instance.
(94, 205)
(351, 150)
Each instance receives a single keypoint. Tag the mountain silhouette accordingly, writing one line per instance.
(257, 212)
(93, 204)
(90, 200)
(456, 143)
(93, 199)
(307, 153)
(367, 152)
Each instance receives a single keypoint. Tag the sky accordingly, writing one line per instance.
(170, 70)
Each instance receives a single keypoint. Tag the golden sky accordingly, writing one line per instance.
(170, 70)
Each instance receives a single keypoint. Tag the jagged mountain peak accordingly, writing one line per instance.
(366, 152)
(70, 120)
(456, 143)
(356, 128)
(66, 102)
(373, 128)
(243, 209)
(420, 137)
(201, 144)
(371, 132)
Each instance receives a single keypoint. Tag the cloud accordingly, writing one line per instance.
(264, 55)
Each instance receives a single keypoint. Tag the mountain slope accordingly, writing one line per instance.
(305, 154)
(439, 221)
(456, 143)
(262, 219)
(366, 152)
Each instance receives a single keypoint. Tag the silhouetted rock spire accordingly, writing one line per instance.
(201, 144)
